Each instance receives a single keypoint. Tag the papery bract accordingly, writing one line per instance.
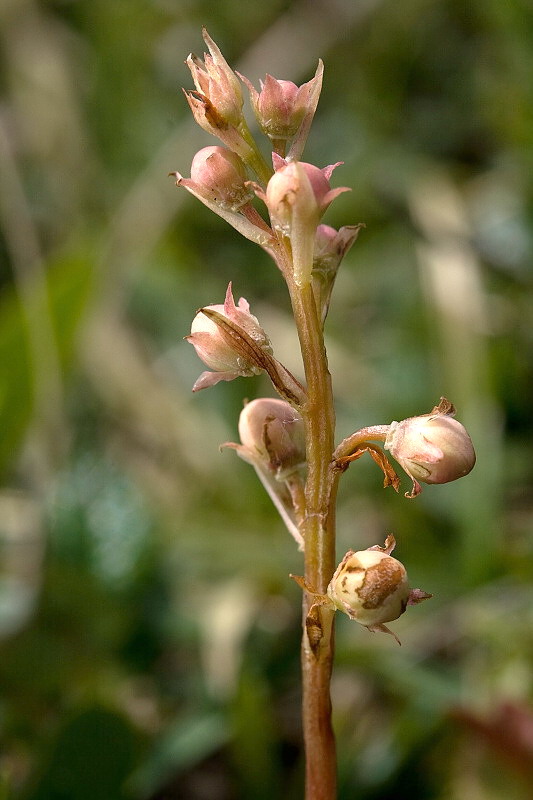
(329, 249)
(218, 99)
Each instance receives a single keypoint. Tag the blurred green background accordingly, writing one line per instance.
(149, 632)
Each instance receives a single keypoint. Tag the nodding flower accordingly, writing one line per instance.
(272, 431)
(432, 448)
(273, 442)
(226, 351)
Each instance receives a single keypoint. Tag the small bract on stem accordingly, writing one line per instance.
(290, 440)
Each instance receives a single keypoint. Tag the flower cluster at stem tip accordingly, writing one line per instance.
(232, 179)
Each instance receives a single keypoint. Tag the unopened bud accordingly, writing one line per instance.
(299, 189)
(371, 587)
(432, 448)
(285, 111)
(272, 432)
(296, 197)
(221, 352)
(223, 175)
(279, 107)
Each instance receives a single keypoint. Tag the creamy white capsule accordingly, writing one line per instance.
(370, 586)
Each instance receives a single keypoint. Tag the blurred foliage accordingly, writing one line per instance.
(149, 631)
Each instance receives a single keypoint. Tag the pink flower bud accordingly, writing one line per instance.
(221, 352)
(371, 587)
(285, 111)
(279, 107)
(272, 432)
(296, 197)
(298, 188)
(325, 245)
(222, 174)
(432, 448)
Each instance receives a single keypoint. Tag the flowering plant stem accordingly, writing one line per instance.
(285, 439)
(319, 536)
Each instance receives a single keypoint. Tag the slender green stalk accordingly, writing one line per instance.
(255, 158)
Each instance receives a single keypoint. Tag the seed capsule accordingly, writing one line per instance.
(371, 587)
